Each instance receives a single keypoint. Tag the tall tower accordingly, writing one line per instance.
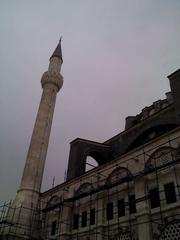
(28, 193)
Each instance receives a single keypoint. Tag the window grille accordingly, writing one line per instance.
(171, 232)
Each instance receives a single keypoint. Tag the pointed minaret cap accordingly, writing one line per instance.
(58, 51)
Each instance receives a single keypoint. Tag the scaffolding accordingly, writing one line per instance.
(12, 224)
(117, 185)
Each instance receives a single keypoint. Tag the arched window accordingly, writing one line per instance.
(53, 201)
(161, 157)
(161, 165)
(84, 188)
(120, 184)
(117, 175)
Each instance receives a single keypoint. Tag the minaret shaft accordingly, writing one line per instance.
(34, 167)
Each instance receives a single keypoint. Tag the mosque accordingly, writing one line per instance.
(133, 193)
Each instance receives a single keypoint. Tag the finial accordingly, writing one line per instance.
(60, 39)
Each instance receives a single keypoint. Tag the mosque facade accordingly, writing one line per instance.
(133, 193)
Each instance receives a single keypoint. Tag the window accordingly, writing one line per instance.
(121, 208)
(53, 228)
(76, 221)
(132, 204)
(92, 216)
(84, 219)
(109, 211)
(170, 193)
(154, 198)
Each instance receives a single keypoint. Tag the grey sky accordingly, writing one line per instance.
(117, 55)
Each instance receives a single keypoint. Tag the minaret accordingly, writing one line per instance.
(52, 81)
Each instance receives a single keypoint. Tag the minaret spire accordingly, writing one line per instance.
(58, 51)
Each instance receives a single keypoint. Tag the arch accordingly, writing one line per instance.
(97, 155)
(119, 173)
(80, 149)
(53, 201)
(160, 157)
(84, 188)
(148, 134)
(171, 231)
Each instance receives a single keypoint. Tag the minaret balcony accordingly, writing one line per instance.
(52, 77)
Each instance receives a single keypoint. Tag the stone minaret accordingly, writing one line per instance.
(28, 193)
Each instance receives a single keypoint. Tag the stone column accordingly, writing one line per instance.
(66, 221)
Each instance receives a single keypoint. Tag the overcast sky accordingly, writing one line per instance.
(117, 55)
